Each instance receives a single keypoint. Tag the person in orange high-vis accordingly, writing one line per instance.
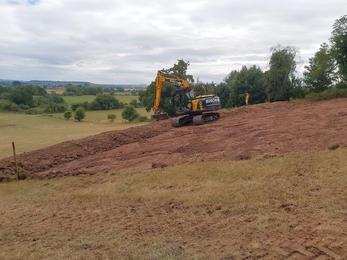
(247, 97)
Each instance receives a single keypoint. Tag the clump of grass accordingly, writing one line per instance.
(333, 146)
(328, 94)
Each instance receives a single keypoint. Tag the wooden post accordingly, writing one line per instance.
(15, 159)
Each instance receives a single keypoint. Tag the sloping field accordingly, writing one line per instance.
(243, 133)
(224, 190)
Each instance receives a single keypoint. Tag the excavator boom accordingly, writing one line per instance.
(158, 115)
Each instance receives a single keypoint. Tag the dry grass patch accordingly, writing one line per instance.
(189, 211)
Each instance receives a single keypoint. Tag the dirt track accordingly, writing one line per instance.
(246, 132)
(243, 133)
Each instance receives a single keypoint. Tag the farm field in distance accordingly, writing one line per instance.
(32, 132)
(121, 97)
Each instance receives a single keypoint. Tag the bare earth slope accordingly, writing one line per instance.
(243, 133)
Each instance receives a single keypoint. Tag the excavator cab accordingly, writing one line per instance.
(182, 101)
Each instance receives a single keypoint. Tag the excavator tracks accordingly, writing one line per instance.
(204, 118)
(181, 120)
(197, 120)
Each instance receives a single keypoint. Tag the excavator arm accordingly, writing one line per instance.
(178, 82)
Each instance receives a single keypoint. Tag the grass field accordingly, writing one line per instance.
(75, 99)
(32, 132)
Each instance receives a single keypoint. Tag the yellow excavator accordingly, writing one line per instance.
(187, 106)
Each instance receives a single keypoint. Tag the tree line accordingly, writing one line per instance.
(79, 90)
(20, 98)
(325, 72)
(35, 99)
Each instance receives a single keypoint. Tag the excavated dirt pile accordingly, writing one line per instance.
(242, 133)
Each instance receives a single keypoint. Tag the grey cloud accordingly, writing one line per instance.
(106, 41)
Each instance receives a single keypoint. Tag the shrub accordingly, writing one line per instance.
(330, 93)
(135, 103)
(68, 114)
(75, 105)
(9, 106)
(142, 119)
(333, 146)
(24, 107)
(33, 111)
(39, 100)
(111, 117)
(80, 114)
(105, 101)
(341, 85)
(129, 113)
(5, 95)
(53, 107)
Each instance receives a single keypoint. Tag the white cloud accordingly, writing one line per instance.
(127, 41)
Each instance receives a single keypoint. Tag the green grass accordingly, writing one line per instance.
(32, 132)
(77, 99)
(328, 94)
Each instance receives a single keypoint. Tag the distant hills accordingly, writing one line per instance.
(55, 84)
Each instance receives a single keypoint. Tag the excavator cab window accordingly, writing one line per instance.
(190, 95)
(182, 100)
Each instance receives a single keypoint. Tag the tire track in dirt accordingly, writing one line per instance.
(323, 245)
(308, 249)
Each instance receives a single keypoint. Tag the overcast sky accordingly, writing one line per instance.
(127, 41)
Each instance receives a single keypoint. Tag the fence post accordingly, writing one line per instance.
(15, 159)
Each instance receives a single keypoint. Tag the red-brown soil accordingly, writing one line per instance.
(240, 134)
(246, 132)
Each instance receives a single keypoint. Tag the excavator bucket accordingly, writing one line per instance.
(157, 117)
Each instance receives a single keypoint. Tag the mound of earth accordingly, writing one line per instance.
(242, 133)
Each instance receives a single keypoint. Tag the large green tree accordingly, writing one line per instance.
(278, 79)
(339, 45)
(104, 102)
(319, 74)
(20, 96)
(223, 91)
(36, 90)
(5, 92)
(180, 70)
(72, 90)
(247, 80)
(230, 77)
